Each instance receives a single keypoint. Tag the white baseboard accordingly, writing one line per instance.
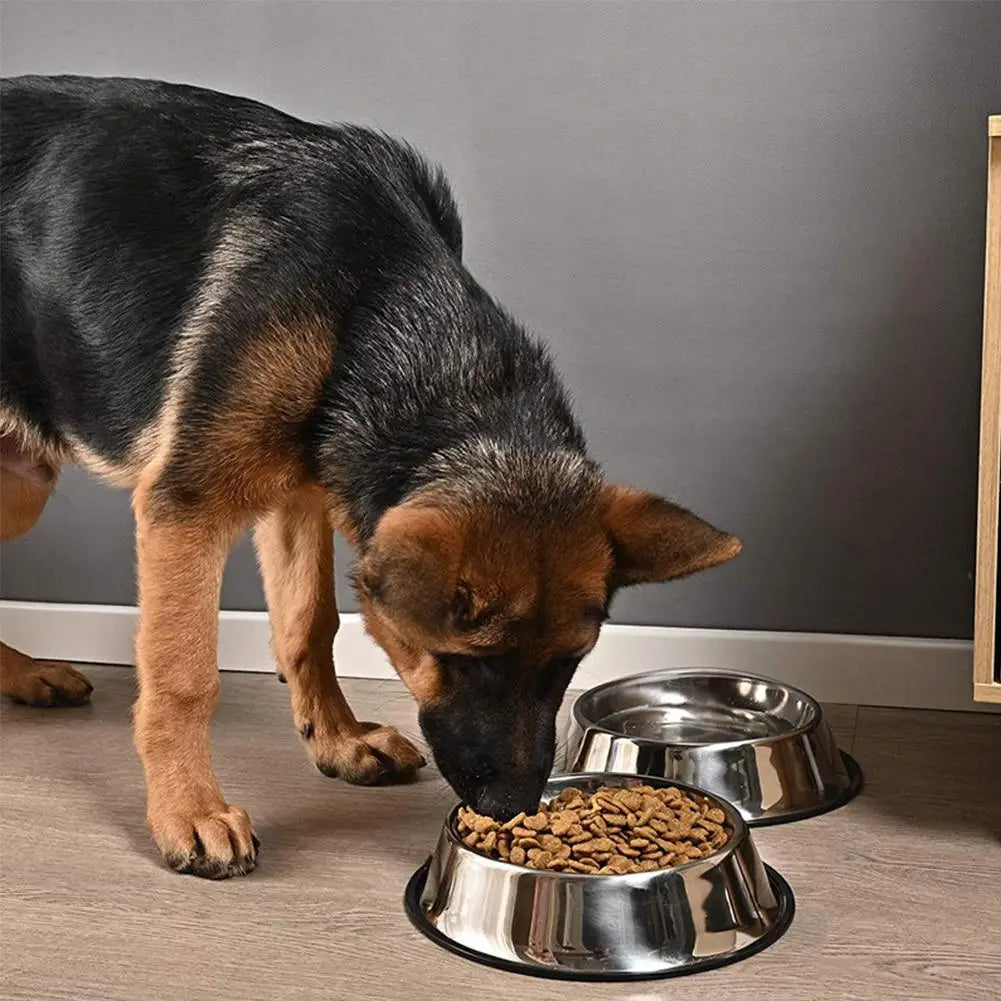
(865, 670)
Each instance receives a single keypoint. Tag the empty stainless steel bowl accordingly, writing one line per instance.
(760, 744)
(705, 914)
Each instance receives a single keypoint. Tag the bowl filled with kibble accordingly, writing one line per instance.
(760, 744)
(614, 878)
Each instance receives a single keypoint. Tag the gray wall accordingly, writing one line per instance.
(753, 234)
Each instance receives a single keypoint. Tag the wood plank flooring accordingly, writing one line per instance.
(898, 894)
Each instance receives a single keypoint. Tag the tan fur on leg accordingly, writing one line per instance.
(180, 573)
(296, 554)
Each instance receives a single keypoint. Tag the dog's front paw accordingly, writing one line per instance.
(376, 755)
(46, 685)
(213, 843)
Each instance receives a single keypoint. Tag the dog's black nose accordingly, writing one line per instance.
(504, 802)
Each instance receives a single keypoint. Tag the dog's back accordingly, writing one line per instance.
(135, 209)
(109, 212)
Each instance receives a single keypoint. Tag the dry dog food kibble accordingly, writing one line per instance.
(614, 830)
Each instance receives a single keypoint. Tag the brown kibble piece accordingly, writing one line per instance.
(513, 822)
(518, 855)
(538, 822)
(562, 822)
(595, 846)
(631, 800)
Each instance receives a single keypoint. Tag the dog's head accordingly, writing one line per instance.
(486, 614)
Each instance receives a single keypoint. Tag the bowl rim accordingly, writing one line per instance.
(741, 832)
(586, 725)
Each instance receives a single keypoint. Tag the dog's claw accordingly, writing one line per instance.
(392, 771)
(198, 864)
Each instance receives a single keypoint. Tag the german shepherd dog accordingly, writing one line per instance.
(250, 320)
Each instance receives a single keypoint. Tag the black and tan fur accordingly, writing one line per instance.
(252, 321)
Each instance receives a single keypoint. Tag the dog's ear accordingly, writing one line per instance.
(654, 540)
(410, 569)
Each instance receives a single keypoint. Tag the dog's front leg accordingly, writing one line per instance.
(181, 558)
(296, 553)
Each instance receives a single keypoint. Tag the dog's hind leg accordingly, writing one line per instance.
(295, 550)
(181, 556)
(25, 485)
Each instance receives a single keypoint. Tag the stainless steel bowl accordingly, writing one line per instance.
(698, 916)
(760, 744)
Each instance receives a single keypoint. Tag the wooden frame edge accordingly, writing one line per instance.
(986, 684)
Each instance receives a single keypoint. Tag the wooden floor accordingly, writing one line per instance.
(899, 893)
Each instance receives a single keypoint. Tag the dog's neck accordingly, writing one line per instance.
(435, 388)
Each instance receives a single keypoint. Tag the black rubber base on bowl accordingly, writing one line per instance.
(855, 782)
(781, 889)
